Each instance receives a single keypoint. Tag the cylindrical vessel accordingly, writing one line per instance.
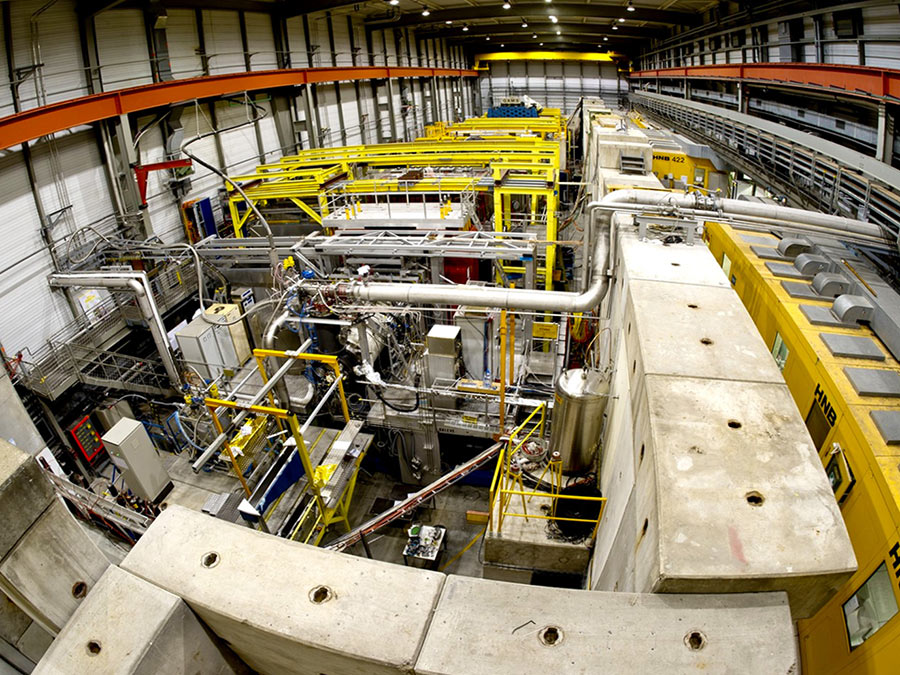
(581, 397)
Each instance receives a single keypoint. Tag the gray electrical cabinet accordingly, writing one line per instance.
(131, 450)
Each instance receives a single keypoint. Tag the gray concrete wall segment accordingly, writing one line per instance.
(15, 423)
(286, 607)
(487, 627)
(129, 626)
(24, 494)
(52, 568)
(746, 499)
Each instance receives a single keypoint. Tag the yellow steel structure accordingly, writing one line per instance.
(522, 166)
(863, 468)
(325, 515)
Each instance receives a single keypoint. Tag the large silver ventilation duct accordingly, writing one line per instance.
(600, 214)
(139, 284)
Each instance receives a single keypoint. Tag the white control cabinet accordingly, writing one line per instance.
(131, 450)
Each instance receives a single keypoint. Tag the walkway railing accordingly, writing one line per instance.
(508, 484)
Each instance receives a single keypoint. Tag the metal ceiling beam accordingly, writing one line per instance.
(544, 28)
(49, 119)
(537, 10)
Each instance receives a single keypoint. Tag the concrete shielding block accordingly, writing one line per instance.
(130, 627)
(24, 494)
(735, 496)
(52, 568)
(285, 607)
(484, 627)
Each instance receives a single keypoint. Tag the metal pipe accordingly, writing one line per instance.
(556, 301)
(508, 298)
(257, 398)
(281, 390)
(139, 284)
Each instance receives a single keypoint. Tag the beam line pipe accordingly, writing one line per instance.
(240, 417)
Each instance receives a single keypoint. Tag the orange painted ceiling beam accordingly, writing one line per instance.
(862, 81)
(37, 122)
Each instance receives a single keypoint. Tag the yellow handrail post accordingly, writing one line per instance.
(218, 425)
(502, 370)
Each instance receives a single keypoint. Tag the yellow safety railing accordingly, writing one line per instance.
(325, 515)
(507, 478)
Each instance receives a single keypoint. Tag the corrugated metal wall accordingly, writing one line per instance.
(555, 84)
(70, 174)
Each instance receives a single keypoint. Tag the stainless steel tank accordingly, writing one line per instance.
(581, 397)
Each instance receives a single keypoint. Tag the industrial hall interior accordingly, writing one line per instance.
(449, 337)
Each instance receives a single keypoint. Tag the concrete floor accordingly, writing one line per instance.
(448, 510)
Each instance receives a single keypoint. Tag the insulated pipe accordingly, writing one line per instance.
(555, 301)
(281, 390)
(139, 284)
(508, 298)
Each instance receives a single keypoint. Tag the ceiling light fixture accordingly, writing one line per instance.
(488, 38)
(541, 45)
(553, 18)
(559, 32)
(502, 45)
(534, 36)
(394, 2)
(506, 5)
(524, 24)
(426, 12)
(621, 20)
(615, 28)
(448, 22)
(630, 7)
(605, 39)
(465, 29)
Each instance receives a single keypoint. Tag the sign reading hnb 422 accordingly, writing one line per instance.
(825, 405)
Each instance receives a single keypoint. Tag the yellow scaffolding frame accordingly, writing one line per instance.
(327, 515)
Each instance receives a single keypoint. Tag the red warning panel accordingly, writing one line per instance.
(87, 438)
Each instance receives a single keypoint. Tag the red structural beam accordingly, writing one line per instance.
(31, 124)
(881, 83)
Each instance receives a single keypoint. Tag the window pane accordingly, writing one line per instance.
(780, 351)
(870, 607)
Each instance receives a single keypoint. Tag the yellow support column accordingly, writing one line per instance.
(550, 261)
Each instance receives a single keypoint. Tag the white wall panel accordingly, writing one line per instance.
(71, 173)
(162, 207)
(341, 33)
(882, 22)
(204, 183)
(260, 41)
(318, 41)
(122, 49)
(222, 31)
(29, 311)
(183, 42)
(268, 132)
(297, 42)
(351, 113)
(240, 146)
(57, 47)
(378, 48)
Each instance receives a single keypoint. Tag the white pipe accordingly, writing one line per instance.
(555, 301)
(139, 284)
